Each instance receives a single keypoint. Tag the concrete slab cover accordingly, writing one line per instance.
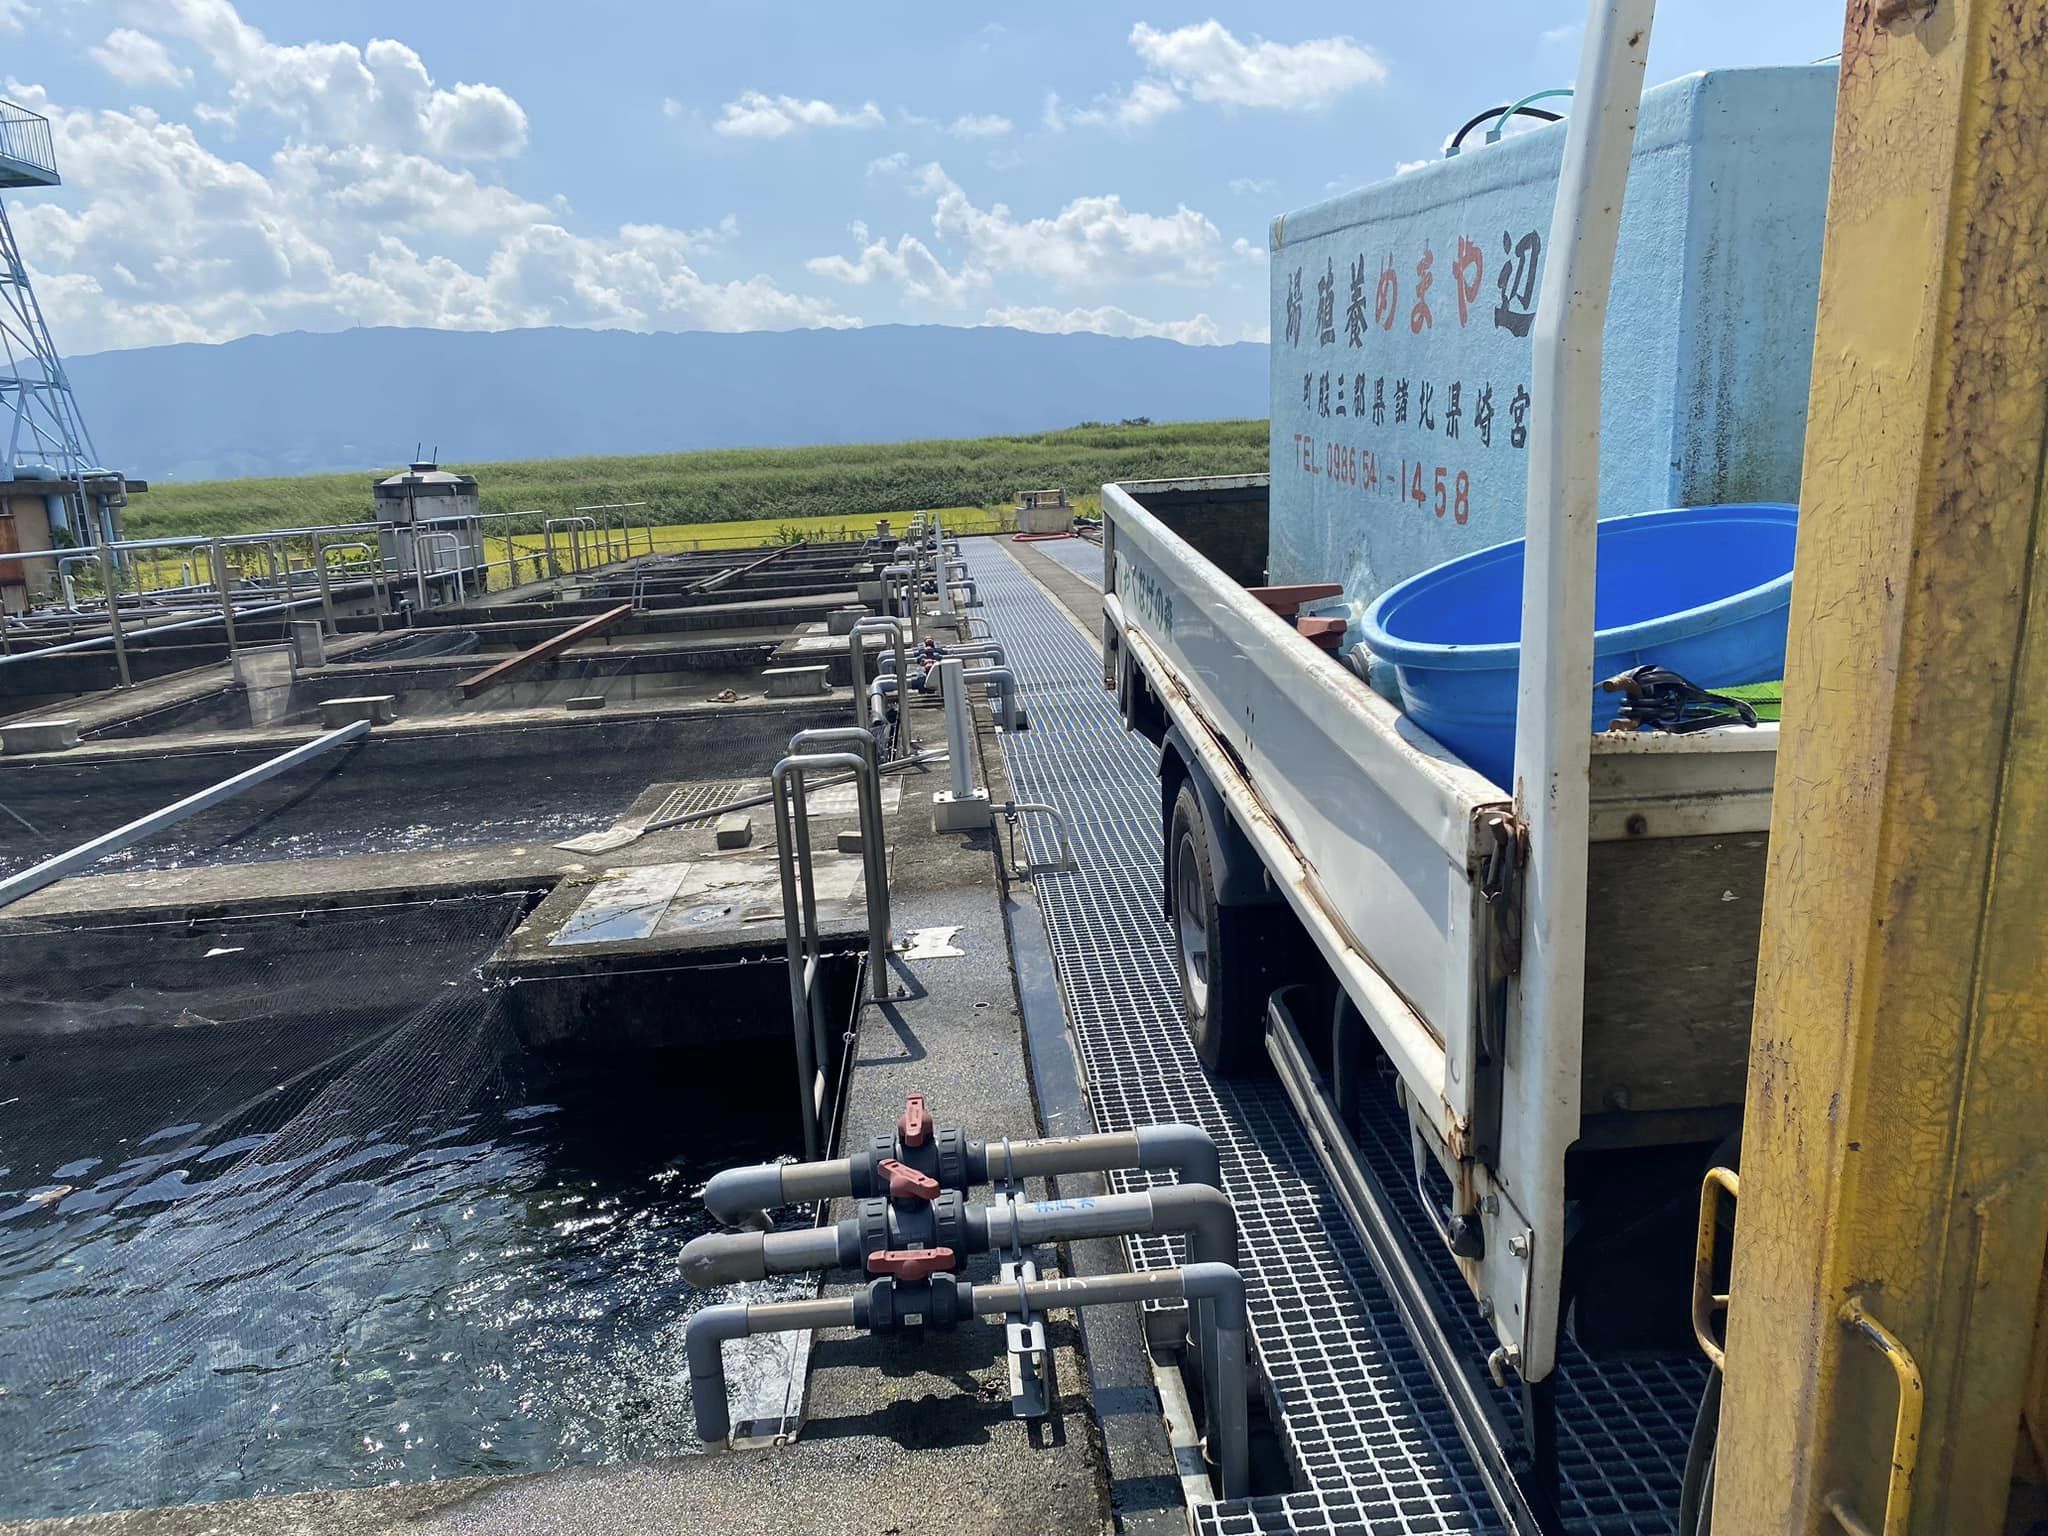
(39, 736)
(626, 904)
(378, 709)
(793, 682)
(933, 944)
(736, 892)
(843, 799)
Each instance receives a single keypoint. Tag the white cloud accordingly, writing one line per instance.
(1245, 250)
(756, 115)
(380, 94)
(163, 240)
(670, 107)
(1108, 320)
(1553, 37)
(1145, 102)
(1090, 242)
(1210, 63)
(136, 58)
(1403, 167)
(979, 126)
(910, 264)
(1251, 185)
(13, 14)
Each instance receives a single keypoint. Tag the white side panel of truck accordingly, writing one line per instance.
(1382, 820)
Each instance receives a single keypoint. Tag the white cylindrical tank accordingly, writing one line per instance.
(425, 498)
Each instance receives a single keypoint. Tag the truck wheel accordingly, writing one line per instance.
(1223, 985)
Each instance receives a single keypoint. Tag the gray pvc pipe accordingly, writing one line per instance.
(704, 1348)
(1220, 1289)
(1186, 1148)
(723, 1258)
(744, 1196)
(1195, 1211)
(1202, 1214)
(1005, 683)
(704, 1340)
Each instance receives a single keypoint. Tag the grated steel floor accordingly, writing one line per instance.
(1372, 1443)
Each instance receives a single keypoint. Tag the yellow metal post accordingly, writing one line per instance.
(1894, 1205)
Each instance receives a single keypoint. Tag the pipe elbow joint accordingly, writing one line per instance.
(1205, 1214)
(720, 1258)
(743, 1197)
(1188, 1149)
(1218, 1284)
(703, 1346)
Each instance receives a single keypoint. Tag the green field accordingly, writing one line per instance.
(766, 487)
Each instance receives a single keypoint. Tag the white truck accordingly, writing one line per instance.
(1541, 998)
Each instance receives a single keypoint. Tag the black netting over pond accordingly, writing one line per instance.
(284, 1206)
(486, 782)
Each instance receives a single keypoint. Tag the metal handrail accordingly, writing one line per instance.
(575, 525)
(419, 563)
(64, 582)
(874, 852)
(802, 944)
(873, 625)
(1066, 863)
(383, 585)
(227, 615)
(25, 136)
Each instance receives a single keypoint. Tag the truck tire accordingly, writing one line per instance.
(1224, 981)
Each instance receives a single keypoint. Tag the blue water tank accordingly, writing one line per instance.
(1401, 321)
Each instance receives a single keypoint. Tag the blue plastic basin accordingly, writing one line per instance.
(1705, 591)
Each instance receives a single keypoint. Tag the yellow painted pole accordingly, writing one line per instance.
(1895, 1154)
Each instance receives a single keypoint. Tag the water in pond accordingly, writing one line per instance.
(421, 1255)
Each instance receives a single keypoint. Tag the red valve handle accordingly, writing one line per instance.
(910, 1263)
(914, 1126)
(907, 1183)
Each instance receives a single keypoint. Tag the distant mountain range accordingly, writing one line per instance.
(297, 403)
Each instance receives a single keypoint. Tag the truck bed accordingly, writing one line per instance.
(1377, 836)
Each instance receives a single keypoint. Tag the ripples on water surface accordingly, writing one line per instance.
(431, 1258)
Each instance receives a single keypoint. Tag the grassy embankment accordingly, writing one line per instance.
(764, 487)
(736, 497)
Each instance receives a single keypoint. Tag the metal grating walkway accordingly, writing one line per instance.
(1372, 1443)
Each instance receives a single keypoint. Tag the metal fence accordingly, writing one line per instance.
(25, 136)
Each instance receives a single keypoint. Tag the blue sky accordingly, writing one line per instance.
(245, 166)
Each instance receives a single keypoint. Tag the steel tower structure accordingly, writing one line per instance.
(45, 433)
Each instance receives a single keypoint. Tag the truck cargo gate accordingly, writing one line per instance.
(1373, 1445)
